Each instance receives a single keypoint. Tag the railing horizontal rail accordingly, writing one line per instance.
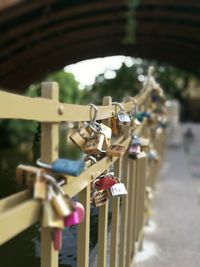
(29, 108)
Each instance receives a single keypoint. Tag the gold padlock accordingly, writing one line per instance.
(107, 132)
(80, 137)
(99, 198)
(25, 175)
(49, 218)
(40, 186)
(61, 203)
(115, 151)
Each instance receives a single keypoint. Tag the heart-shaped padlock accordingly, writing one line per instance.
(77, 215)
(104, 182)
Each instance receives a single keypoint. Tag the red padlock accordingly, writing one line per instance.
(104, 181)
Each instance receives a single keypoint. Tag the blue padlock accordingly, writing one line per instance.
(64, 166)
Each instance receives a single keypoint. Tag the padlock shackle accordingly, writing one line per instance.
(53, 182)
(119, 105)
(93, 159)
(93, 119)
(42, 164)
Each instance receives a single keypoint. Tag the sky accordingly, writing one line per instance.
(86, 71)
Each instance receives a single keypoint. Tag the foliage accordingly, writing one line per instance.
(128, 81)
(14, 132)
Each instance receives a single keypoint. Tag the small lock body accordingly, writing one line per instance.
(50, 218)
(144, 142)
(117, 190)
(99, 198)
(107, 133)
(115, 127)
(134, 150)
(62, 204)
(123, 118)
(80, 137)
(115, 151)
(77, 216)
(57, 239)
(66, 166)
(94, 144)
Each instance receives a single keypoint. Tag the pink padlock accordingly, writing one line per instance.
(57, 239)
(75, 217)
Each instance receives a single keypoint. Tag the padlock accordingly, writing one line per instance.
(25, 175)
(89, 160)
(99, 198)
(107, 132)
(57, 239)
(134, 151)
(122, 117)
(115, 151)
(115, 127)
(40, 186)
(50, 218)
(153, 155)
(135, 147)
(77, 216)
(80, 137)
(64, 166)
(104, 181)
(117, 190)
(94, 144)
(144, 144)
(61, 202)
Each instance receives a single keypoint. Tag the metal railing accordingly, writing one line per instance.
(129, 214)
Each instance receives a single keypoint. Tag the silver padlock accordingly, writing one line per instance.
(117, 190)
(122, 116)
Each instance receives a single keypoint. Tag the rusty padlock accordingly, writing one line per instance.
(99, 198)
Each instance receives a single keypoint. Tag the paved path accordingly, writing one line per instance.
(172, 238)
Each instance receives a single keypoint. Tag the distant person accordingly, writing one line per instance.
(188, 139)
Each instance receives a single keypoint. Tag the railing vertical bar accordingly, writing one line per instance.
(142, 200)
(102, 236)
(49, 153)
(124, 213)
(115, 221)
(103, 215)
(137, 188)
(130, 212)
(134, 209)
(84, 230)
